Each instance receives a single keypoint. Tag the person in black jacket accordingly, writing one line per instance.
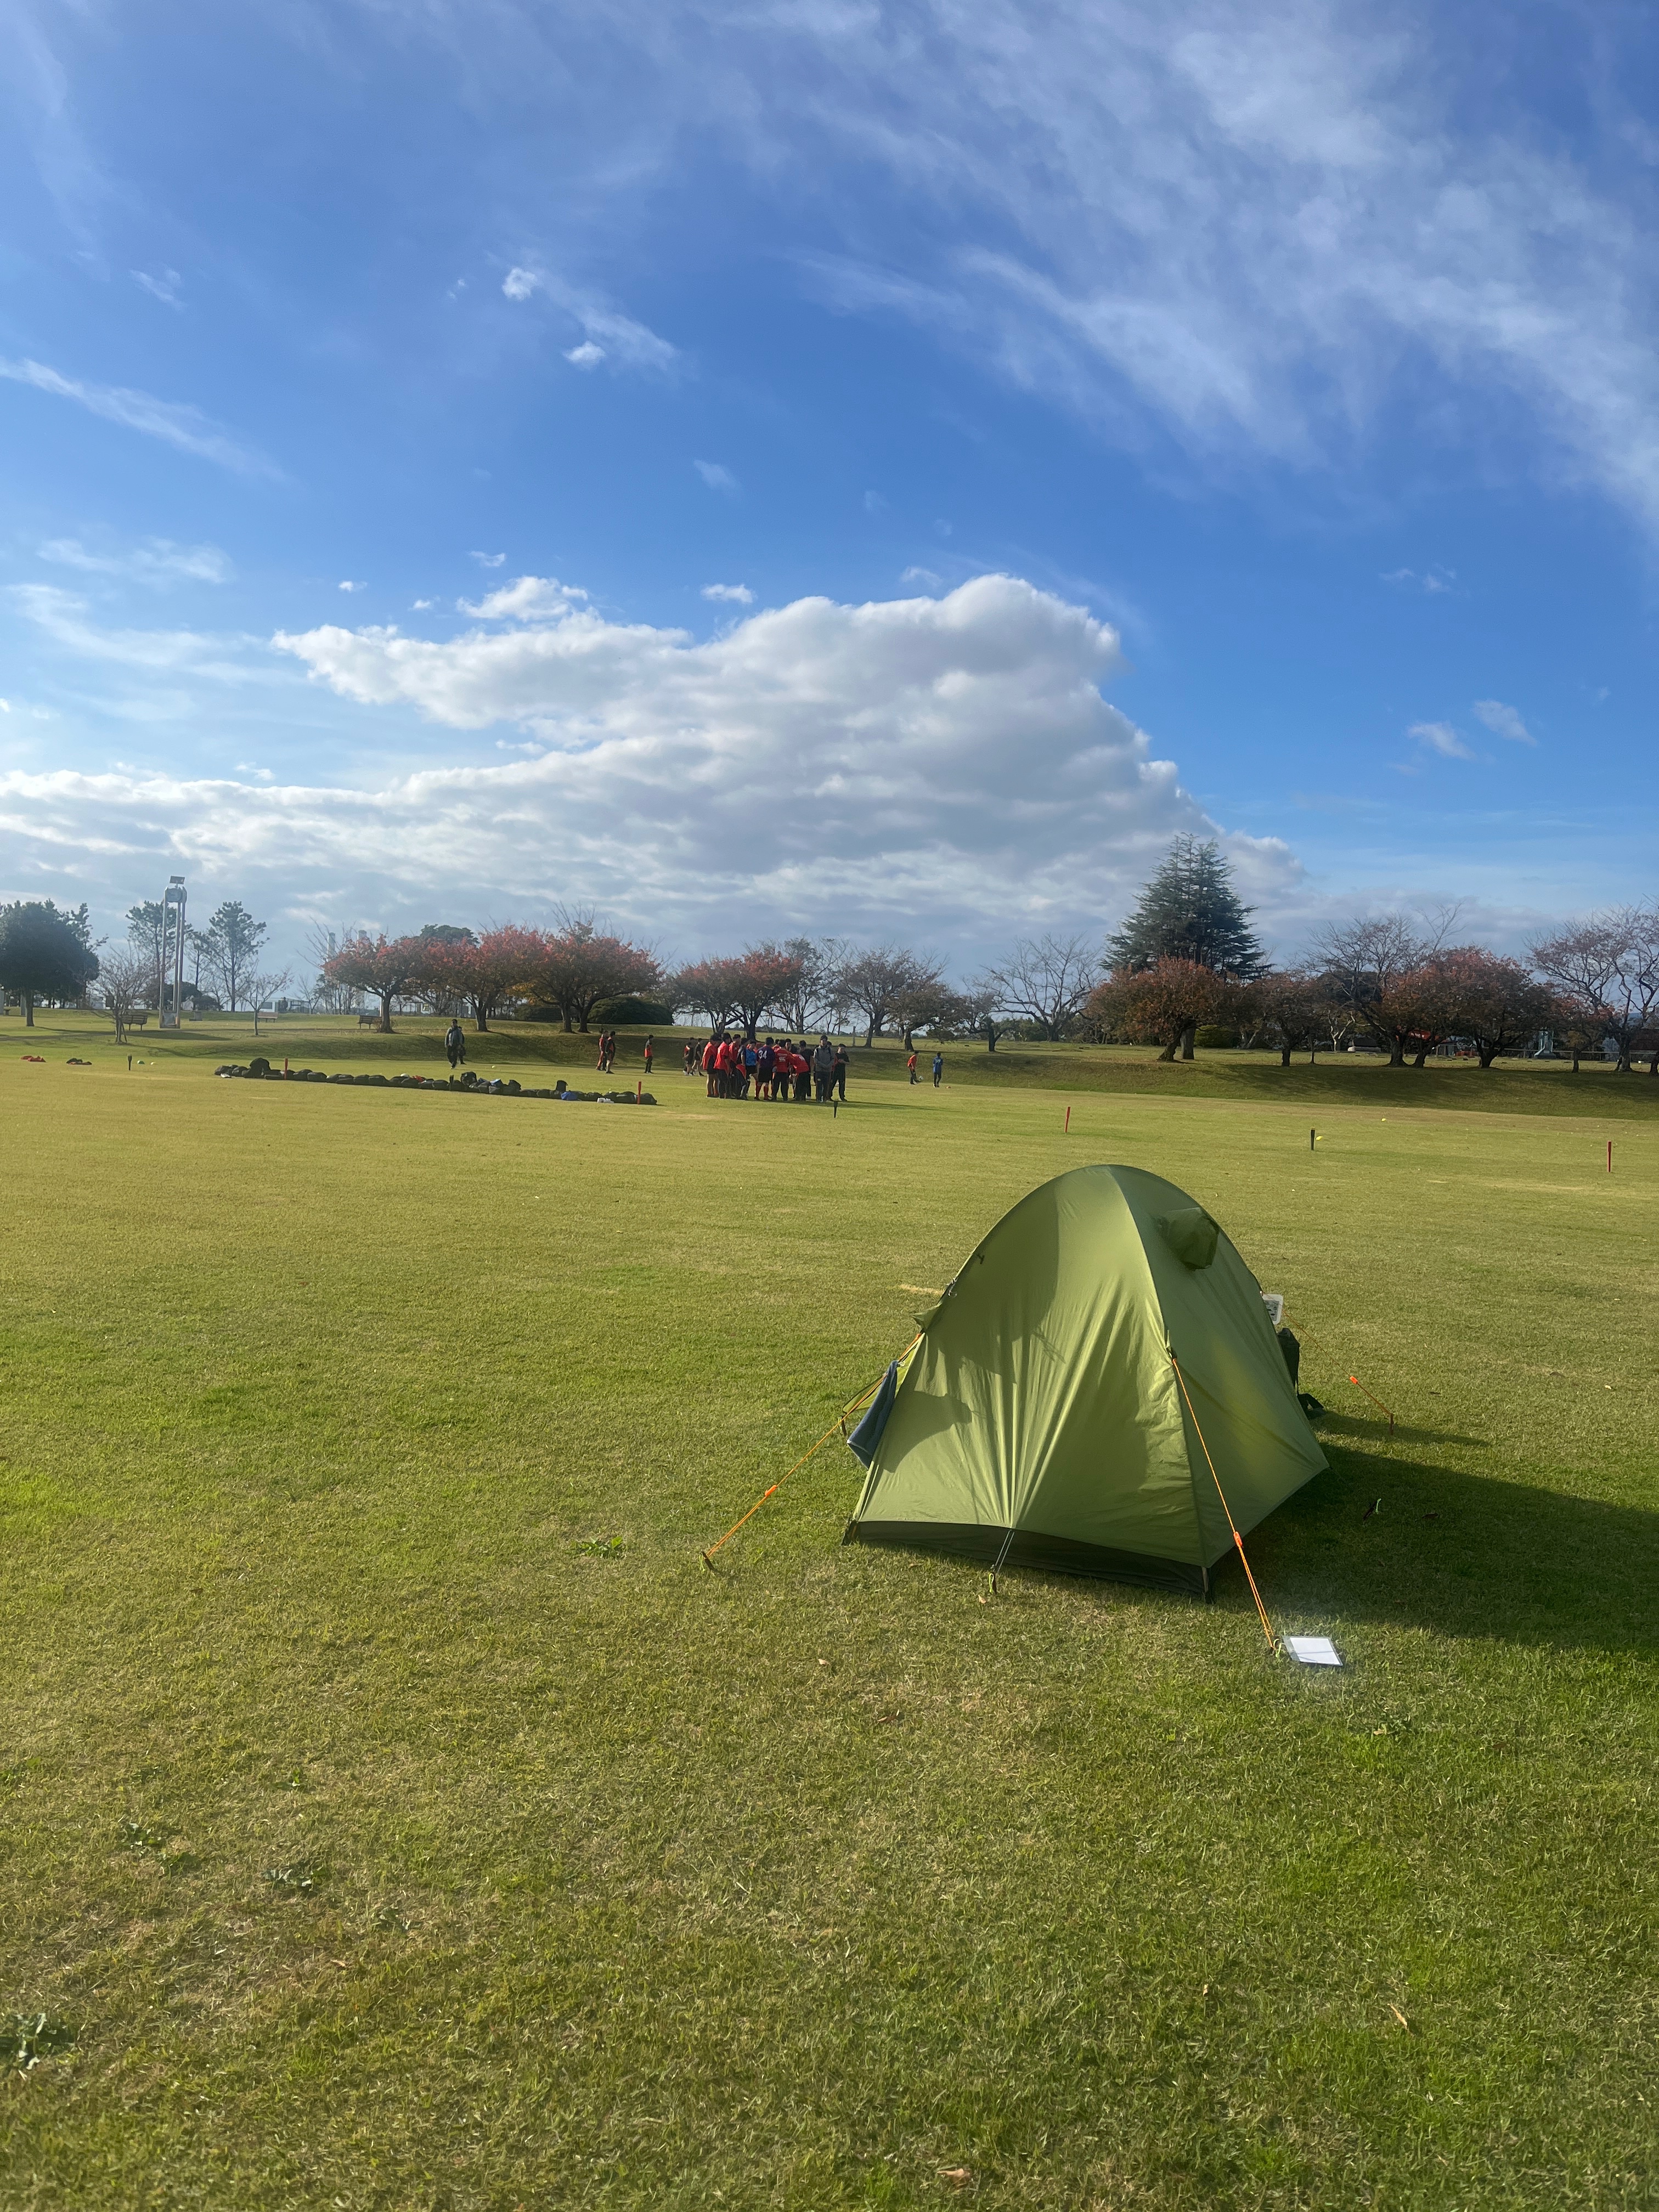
(455, 1042)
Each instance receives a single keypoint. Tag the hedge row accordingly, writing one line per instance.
(261, 1070)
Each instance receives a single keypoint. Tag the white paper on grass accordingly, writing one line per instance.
(1313, 1651)
(1274, 1301)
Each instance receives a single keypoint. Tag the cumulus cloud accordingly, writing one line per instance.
(183, 427)
(531, 598)
(1503, 721)
(347, 584)
(946, 767)
(716, 476)
(156, 560)
(1440, 738)
(586, 355)
(952, 759)
(739, 594)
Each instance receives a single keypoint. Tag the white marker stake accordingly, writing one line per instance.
(1312, 1651)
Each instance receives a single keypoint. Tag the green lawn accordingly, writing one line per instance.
(380, 1846)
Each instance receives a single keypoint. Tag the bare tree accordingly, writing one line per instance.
(1045, 980)
(269, 985)
(1609, 967)
(872, 983)
(812, 1001)
(1366, 963)
(124, 982)
(1295, 1004)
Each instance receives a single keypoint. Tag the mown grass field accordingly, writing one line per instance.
(368, 1842)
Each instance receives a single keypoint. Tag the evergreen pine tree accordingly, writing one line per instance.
(1190, 911)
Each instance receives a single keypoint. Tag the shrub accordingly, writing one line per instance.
(1213, 1037)
(631, 1013)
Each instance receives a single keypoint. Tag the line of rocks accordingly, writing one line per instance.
(261, 1070)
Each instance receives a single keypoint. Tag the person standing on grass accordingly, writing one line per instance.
(838, 1072)
(823, 1061)
(938, 1069)
(650, 1050)
(911, 1063)
(455, 1042)
(803, 1074)
(765, 1067)
(709, 1066)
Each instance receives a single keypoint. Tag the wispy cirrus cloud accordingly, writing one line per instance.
(1503, 721)
(164, 284)
(738, 595)
(717, 477)
(65, 618)
(607, 333)
(156, 560)
(1441, 738)
(182, 426)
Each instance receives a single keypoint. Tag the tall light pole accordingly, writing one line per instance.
(172, 919)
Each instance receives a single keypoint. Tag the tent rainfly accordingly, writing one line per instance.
(1039, 1420)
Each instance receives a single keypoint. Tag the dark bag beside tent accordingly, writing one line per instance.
(1040, 1421)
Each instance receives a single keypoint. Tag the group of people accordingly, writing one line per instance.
(607, 1059)
(775, 1068)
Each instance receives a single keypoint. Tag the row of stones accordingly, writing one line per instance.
(261, 1070)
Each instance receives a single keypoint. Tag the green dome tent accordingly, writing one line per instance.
(1040, 1419)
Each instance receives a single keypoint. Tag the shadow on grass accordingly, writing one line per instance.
(1357, 1429)
(1461, 1554)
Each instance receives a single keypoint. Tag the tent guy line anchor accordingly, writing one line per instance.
(837, 1427)
(1302, 1329)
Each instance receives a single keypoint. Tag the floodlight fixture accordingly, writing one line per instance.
(173, 940)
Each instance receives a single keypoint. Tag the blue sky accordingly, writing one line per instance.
(827, 467)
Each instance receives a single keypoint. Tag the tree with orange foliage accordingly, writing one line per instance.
(1160, 1004)
(386, 968)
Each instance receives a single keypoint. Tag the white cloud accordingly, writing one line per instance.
(185, 427)
(739, 594)
(716, 476)
(63, 617)
(1431, 581)
(1264, 227)
(488, 560)
(531, 598)
(1503, 721)
(914, 575)
(347, 584)
(164, 286)
(949, 760)
(419, 606)
(156, 560)
(607, 332)
(1441, 738)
